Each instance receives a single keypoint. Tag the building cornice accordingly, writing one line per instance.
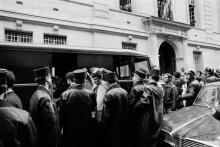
(165, 27)
(203, 44)
(156, 20)
(72, 24)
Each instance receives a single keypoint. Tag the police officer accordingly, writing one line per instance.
(76, 107)
(44, 111)
(115, 114)
(17, 127)
(134, 96)
(149, 112)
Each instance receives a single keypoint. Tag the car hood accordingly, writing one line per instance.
(194, 123)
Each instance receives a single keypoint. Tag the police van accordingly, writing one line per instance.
(23, 58)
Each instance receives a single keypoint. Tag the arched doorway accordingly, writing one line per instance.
(167, 58)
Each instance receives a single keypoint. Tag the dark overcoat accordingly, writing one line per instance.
(115, 117)
(193, 88)
(134, 96)
(16, 127)
(149, 112)
(77, 103)
(45, 116)
(12, 98)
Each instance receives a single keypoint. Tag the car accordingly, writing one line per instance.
(195, 126)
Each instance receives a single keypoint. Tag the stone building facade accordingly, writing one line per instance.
(177, 34)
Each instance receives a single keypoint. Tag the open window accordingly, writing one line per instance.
(125, 5)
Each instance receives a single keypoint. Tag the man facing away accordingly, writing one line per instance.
(135, 95)
(44, 111)
(149, 112)
(115, 114)
(76, 107)
(11, 96)
(17, 127)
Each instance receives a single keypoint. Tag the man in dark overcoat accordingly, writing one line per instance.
(76, 111)
(193, 88)
(16, 126)
(149, 112)
(44, 111)
(11, 96)
(115, 114)
(134, 96)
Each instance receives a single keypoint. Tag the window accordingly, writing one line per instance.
(130, 46)
(123, 64)
(18, 36)
(125, 5)
(54, 39)
(165, 9)
(192, 12)
(197, 57)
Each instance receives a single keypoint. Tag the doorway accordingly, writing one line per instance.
(167, 58)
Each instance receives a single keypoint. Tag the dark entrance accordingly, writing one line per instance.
(167, 58)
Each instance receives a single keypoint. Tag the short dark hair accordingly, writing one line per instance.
(177, 74)
(41, 80)
(10, 78)
(169, 75)
(156, 78)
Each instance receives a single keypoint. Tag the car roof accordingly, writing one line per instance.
(213, 84)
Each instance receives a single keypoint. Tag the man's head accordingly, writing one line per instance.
(190, 75)
(97, 77)
(167, 77)
(155, 74)
(42, 75)
(209, 71)
(177, 74)
(111, 77)
(70, 78)
(139, 75)
(3, 80)
(10, 78)
(80, 76)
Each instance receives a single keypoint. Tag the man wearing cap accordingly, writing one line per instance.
(44, 111)
(193, 88)
(76, 107)
(115, 114)
(149, 112)
(11, 96)
(134, 96)
(17, 127)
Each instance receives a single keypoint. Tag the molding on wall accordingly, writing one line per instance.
(67, 24)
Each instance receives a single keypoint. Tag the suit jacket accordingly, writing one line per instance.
(17, 127)
(46, 118)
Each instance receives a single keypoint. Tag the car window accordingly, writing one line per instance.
(207, 96)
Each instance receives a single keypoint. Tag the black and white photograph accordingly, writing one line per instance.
(110, 73)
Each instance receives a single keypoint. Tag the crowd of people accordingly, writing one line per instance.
(103, 115)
